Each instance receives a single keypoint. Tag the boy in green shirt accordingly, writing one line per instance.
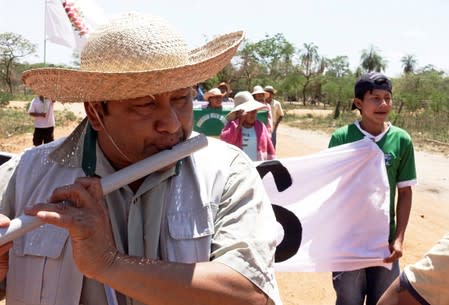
(373, 98)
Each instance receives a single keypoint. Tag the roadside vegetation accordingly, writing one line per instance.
(16, 121)
(304, 79)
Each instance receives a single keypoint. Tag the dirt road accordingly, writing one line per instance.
(428, 220)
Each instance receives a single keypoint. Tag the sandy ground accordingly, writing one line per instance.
(428, 220)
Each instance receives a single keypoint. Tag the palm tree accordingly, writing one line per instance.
(309, 59)
(371, 60)
(408, 63)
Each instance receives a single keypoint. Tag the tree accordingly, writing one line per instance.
(270, 59)
(338, 83)
(408, 63)
(371, 60)
(338, 66)
(311, 63)
(12, 47)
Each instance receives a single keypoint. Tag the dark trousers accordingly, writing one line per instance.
(273, 137)
(43, 135)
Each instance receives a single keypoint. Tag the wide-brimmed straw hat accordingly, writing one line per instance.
(244, 102)
(226, 85)
(258, 89)
(132, 56)
(212, 92)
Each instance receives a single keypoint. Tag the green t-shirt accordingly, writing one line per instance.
(397, 147)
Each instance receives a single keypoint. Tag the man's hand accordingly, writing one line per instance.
(4, 249)
(80, 208)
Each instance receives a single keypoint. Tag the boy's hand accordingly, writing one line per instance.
(396, 251)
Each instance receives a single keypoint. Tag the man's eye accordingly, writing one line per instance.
(179, 99)
(145, 105)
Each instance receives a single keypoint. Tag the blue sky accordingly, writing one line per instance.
(337, 27)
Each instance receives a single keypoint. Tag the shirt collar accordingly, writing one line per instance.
(372, 137)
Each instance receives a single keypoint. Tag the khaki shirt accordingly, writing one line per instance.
(276, 109)
(429, 276)
(208, 211)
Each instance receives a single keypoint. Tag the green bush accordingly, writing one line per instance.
(5, 97)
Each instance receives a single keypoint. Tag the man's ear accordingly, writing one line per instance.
(358, 102)
(94, 112)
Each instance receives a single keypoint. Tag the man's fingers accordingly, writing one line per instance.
(4, 221)
(60, 214)
(76, 194)
(92, 185)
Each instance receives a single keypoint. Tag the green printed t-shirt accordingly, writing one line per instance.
(397, 147)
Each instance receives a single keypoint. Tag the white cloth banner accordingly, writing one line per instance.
(341, 196)
(68, 22)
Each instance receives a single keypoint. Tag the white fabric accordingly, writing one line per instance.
(345, 220)
(59, 28)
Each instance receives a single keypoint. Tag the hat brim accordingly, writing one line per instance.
(245, 107)
(70, 85)
(208, 95)
(266, 94)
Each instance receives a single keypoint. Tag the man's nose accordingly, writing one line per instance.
(167, 119)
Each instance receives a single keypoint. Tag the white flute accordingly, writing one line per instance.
(23, 224)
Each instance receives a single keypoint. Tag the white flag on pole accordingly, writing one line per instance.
(341, 197)
(68, 22)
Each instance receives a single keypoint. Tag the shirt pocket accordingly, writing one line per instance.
(37, 264)
(190, 234)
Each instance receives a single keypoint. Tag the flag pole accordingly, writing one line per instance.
(45, 32)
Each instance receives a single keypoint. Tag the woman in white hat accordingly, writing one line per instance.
(245, 131)
(170, 237)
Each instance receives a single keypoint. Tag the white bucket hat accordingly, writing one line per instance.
(132, 56)
(258, 89)
(244, 102)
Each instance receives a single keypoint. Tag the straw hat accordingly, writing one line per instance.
(226, 85)
(212, 92)
(244, 102)
(131, 56)
(258, 89)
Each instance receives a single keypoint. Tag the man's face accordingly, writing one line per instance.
(250, 118)
(376, 105)
(144, 126)
(215, 101)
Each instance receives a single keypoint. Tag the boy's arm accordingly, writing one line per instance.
(403, 207)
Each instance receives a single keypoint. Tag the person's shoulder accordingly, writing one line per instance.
(41, 152)
(400, 133)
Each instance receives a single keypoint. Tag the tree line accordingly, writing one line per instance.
(299, 74)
